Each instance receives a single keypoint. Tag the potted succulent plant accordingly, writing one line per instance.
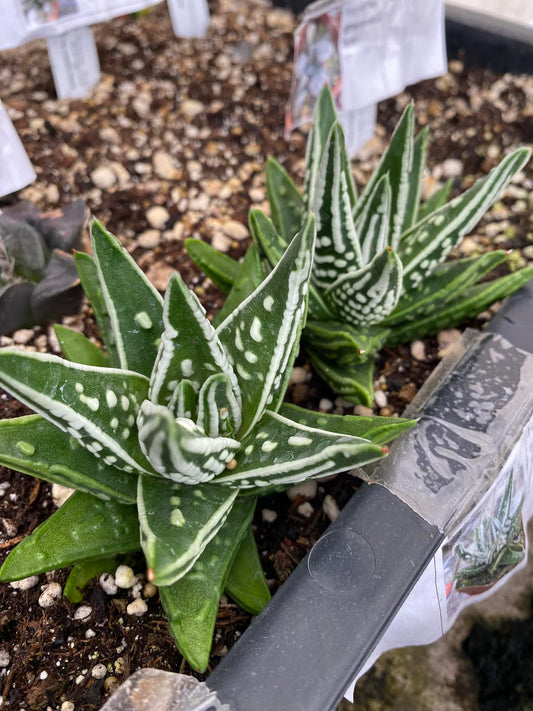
(379, 274)
(171, 434)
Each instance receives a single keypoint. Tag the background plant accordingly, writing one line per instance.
(379, 274)
(170, 434)
(38, 277)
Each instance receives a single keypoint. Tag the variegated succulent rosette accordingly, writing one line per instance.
(379, 273)
(169, 434)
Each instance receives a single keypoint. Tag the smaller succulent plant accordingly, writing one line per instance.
(379, 274)
(38, 277)
(497, 547)
(170, 435)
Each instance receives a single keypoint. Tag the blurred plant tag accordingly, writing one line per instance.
(367, 51)
(486, 541)
(16, 170)
(190, 18)
(74, 62)
(24, 20)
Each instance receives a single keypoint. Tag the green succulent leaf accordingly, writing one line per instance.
(261, 335)
(443, 286)
(91, 286)
(430, 241)
(379, 430)
(177, 522)
(218, 410)
(79, 349)
(337, 246)
(248, 278)
(415, 179)
(472, 302)
(436, 200)
(83, 528)
(221, 269)
(366, 296)
(97, 406)
(190, 347)
(344, 343)
(286, 203)
(134, 306)
(373, 223)
(324, 118)
(191, 604)
(266, 237)
(246, 582)
(184, 401)
(34, 446)
(396, 163)
(353, 382)
(279, 451)
(82, 574)
(180, 450)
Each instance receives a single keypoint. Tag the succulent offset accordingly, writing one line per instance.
(379, 274)
(170, 434)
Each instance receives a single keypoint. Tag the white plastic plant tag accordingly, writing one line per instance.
(190, 18)
(359, 125)
(74, 62)
(16, 170)
(365, 51)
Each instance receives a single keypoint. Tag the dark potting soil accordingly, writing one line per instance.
(214, 107)
(502, 658)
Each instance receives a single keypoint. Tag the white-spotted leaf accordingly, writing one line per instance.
(261, 335)
(97, 406)
(134, 306)
(177, 522)
(190, 347)
(180, 450)
(279, 451)
(370, 294)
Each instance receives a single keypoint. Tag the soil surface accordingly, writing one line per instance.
(186, 126)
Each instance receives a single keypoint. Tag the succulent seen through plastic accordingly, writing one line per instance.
(171, 432)
(379, 274)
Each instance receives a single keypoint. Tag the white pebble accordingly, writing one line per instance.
(79, 679)
(448, 336)
(268, 515)
(50, 595)
(381, 398)
(4, 658)
(43, 675)
(89, 634)
(60, 494)
(67, 706)
(330, 507)
(83, 612)
(23, 336)
(304, 488)
(452, 168)
(418, 350)
(125, 577)
(99, 671)
(299, 375)
(363, 411)
(149, 590)
(107, 583)
(25, 583)
(157, 217)
(137, 607)
(305, 509)
(103, 177)
(325, 404)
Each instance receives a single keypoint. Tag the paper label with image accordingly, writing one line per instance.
(365, 50)
(24, 20)
(41, 12)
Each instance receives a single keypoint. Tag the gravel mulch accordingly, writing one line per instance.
(172, 144)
